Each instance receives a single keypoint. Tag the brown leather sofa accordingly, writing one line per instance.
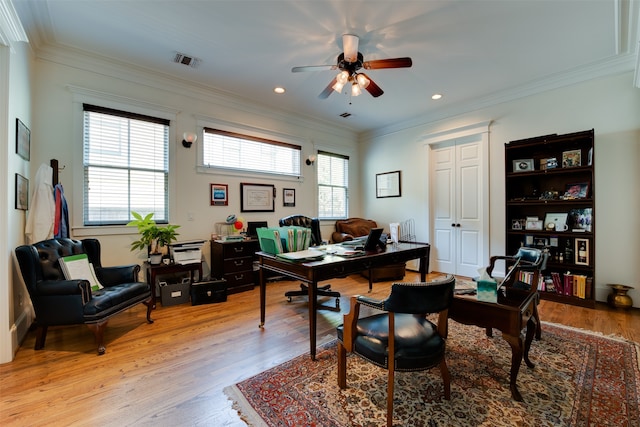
(350, 228)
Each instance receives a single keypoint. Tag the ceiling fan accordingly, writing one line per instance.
(349, 62)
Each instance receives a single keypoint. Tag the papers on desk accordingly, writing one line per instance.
(464, 287)
(305, 255)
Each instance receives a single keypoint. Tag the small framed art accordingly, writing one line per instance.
(219, 194)
(388, 184)
(22, 192)
(581, 251)
(23, 140)
(523, 165)
(571, 158)
(288, 197)
(577, 190)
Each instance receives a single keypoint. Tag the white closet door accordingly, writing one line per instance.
(457, 200)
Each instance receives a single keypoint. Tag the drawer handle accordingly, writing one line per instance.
(239, 277)
(238, 263)
(239, 250)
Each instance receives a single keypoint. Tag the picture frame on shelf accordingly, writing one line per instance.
(257, 197)
(533, 224)
(523, 165)
(576, 190)
(581, 251)
(219, 194)
(571, 158)
(540, 242)
(580, 220)
(556, 221)
(518, 224)
(289, 197)
(528, 240)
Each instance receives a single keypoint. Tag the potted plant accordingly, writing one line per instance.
(152, 237)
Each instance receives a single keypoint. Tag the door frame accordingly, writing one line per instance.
(429, 140)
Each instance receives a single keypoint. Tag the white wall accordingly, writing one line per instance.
(16, 308)
(59, 91)
(610, 105)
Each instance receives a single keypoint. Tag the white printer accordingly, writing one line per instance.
(186, 252)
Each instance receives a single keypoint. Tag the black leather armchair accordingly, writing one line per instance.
(316, 240)
(401, 338)
(58, 301)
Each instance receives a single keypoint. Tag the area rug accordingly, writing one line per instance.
(580, 379)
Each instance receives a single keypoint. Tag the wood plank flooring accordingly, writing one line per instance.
(173, 372)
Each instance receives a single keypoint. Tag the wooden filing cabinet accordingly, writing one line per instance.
(233, 261)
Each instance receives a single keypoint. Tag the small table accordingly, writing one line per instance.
(154, 270)
(513, 312)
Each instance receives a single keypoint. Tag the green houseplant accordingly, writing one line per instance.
(152, 237)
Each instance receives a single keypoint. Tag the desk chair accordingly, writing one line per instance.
(316, 240)
(400, 337)
(526, 259)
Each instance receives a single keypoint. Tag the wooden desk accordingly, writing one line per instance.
(333, 266)
(511, 314)
(159, 269)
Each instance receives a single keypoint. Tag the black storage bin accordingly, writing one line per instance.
(209, 292)
(174, 293)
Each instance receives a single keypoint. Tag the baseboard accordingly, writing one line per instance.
(20, 328)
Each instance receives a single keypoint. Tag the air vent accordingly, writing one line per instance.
(345, 115)
(183, 59)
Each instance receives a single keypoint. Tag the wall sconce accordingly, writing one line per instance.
(310, 160)
(188, 138)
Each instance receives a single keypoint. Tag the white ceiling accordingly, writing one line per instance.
(474, 52)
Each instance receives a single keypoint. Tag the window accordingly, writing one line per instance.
(333, 181)
(126, 166)
(228, 150)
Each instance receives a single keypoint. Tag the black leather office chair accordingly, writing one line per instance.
(316, 240)
(401, 338)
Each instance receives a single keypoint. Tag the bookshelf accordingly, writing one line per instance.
(550, 199)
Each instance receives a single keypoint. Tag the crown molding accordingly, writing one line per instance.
(11, 30)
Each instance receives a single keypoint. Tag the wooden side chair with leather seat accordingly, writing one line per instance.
(400, 338)
(316, 240)
(532, 260)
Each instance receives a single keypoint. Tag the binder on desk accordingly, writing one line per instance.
(280, 240)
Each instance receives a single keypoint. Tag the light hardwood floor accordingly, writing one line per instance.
(173, 372)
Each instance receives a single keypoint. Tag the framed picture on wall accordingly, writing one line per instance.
(388, 184)
(219, 194)
(23, 140)
(22, 192)
(257, 197)
(288, 197)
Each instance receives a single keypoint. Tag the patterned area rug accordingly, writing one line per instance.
(580, 379)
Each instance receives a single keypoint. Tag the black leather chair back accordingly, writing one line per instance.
(421, 297)
(304, 221)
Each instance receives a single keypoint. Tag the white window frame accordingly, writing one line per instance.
(89, 96)
(321, 185)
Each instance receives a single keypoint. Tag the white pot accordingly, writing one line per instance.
(155, 259)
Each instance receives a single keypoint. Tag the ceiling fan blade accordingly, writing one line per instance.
(327, 90)
(373, 88)
(350, 47)
(313, 68)
(377, 64)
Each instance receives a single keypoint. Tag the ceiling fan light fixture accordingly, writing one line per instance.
(355, 89)
(338, 86)
(342, 77)
(363, 81)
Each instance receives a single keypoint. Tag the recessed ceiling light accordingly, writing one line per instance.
(436, 96)
(279, 90)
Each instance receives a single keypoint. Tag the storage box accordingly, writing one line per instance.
(174, 293)
(209, 292)
(487, 290)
